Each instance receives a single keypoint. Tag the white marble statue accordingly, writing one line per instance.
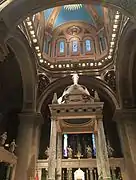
(47, 152)
(89, 151)
(12, 146)
(3, 138)
(70, 152)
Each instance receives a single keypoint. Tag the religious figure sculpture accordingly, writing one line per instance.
(89, 151)
(47, 152)
(12, 146)
(75, 79)
(70, 152)
(109, 149)
(3, 138)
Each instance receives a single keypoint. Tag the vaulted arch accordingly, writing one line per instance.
(88, 81)
(25, 58)
(125, 61)
(24, 8)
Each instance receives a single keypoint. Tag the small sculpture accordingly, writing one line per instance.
(70, 152)
(109, 149)
(89, 151)
(3, 138)
(78, 155)
(47, 152)
(55, 99)
(96, 97)
(12, 146)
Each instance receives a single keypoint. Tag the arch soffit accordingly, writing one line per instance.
(21, 49)
(24, 8)
(97, 84)
(124, 64)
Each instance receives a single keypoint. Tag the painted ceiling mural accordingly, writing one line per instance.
(92, 14)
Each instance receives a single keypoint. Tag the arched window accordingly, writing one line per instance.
(102, 43)
(74, 46)
(87, 45)
(94, 145)
(61, 46)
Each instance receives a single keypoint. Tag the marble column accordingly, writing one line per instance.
(26, 163)
(9, 171)
(69, 173)
(39, 171)
(91, 174)
(52, 151)
(113, 172)
(126, 125)
(101, 152)
(59, 155)
(127, 144)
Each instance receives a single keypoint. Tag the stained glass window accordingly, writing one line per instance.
(74, 46)
(87, 45)
(94, 145)
(61, 47)
(65, 145)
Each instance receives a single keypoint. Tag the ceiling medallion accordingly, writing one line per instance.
(73, 30)
(73, 7)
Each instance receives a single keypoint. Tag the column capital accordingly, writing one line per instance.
(99, 117)
(31, 117)
(53, 118)
(124, 114)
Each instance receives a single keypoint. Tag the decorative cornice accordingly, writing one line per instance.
(124, 114)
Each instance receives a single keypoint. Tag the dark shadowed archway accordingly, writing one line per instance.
(25, 58)
(125, 62)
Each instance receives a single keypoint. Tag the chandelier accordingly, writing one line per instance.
(73, 7)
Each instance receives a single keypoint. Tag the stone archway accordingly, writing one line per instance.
(22, 51)
(24, 8)
(97, 84)
(125, 62)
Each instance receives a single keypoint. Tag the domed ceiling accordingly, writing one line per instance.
(92, 14)
(75, 37)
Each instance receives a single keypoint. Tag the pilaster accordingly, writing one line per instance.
(59, 155)
(52, 150)
(126, 123)
(102, 154)
(26, 140)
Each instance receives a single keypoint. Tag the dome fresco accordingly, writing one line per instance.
(77, 36)
(86, 13)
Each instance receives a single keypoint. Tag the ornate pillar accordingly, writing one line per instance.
(69, 173)
(91, 173)
(59, 155)
(39, 171)
(113, 172)
(52, 151)
(101, 152)
(87, 174)
(9, 171)
(26, 163)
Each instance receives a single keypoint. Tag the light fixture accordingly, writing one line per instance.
(41, 60)
(52, 66)
(67, 65)
(29, 23)
(73, 7)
